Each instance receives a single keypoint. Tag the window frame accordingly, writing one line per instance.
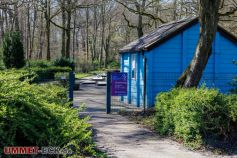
(133, 66)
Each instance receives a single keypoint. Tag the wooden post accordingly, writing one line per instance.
(108, 93)
(71, 84)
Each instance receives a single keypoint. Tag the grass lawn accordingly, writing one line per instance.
(80, 75)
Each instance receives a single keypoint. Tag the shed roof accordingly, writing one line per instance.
(165, 32)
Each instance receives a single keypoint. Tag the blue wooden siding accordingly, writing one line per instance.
(125, 67)
(166, 63)
(134, 83)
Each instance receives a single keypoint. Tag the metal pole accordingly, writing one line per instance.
(108, 93)
(71, 84)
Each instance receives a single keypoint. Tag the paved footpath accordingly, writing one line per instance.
(122, 138)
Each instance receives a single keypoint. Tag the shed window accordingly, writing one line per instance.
(134, 66)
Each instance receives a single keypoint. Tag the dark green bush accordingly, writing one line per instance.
(48, 73)
(39, 115)
(40, 63)
(64, 62)
(13, 52)
(193, 115)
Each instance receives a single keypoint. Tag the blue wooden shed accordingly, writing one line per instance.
(155, 61)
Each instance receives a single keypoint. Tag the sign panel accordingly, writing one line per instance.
(119, 84)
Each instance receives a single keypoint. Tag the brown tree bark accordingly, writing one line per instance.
(47, 19)
(41, 35)
(102, 32)
(64, 26)
(68, 30)
(208, 26)
(140, 8)
(16, 19)
(1, 25)
(87, 34)
(33, 31)
(28, 33)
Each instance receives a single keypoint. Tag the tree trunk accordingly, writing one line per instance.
(47, 18)
(87, 34)
(95, 29)
(74, 35)
(1, 25)
(28, 33)
(208, 25)
(140, 8)
(64, 26)
(41, 41)
(33, 31)
(16, 19)
(102, 33)
(6, 19)
(107, 44)
(68, 31)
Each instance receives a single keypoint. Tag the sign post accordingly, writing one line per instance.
(108, 93)
(116, 86)
(71, 84)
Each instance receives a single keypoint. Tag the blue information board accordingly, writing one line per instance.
(119, 84)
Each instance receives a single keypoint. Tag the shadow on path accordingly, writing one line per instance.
(122, 138)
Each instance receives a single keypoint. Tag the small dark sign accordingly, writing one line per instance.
(119, 84)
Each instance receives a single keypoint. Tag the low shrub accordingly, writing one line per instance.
(48, 73)
(39, 115)
(64, 62)
(39, 63)
(193, 115)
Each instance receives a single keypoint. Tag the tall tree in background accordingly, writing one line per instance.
(208, 17)
(68, 30)
(47, 19)
(64, 26)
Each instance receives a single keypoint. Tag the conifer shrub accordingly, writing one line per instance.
(13, 52)
(194, 115)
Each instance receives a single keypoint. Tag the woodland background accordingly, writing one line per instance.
(91, 32)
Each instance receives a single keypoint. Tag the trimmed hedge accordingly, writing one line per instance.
(39, 115)
(47, 73)
(193, 115)
(64, 62)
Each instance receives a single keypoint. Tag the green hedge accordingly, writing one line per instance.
(39, 115)
(47, 73)
(193, 115)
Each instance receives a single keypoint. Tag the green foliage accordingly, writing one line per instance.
(2, 67)
(13, 52)
(40, 63)
(47, 73)
(64, 62)
(234, 83)
(195, 114)
(39, 115)
(82, 75)
(113, 65)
